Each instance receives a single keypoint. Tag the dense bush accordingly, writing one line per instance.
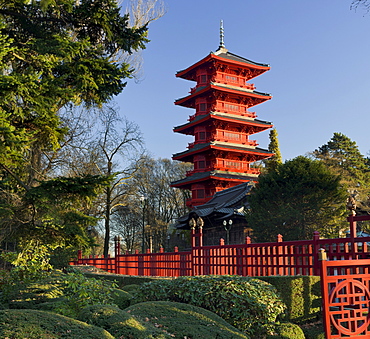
(121, 298)
(287, 331)
(28, 295)
(301, 295)
(133, 288)
(250, 304)
(160, 320)
(314, 330)
(32, 324)
(64, 293)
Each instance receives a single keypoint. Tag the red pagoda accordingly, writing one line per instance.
(222, 152)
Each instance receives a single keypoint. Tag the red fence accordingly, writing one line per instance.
(257, 259)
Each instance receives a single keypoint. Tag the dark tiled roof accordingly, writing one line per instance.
(226, 203)
(234, 57)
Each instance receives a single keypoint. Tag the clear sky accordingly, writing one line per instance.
(318, 50)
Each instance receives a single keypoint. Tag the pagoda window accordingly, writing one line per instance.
(231, 107)
(200, 193)
(201, 164)
(230, 78)
(232, 136)
(233, 164)
(202, 79)
(203, 107)
(202, 136)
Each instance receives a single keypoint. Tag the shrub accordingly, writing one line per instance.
(301, 295)
(23, 295)
(32, 324)
(133, 288)
(314, 330)
(247, 303)
(287, 331)
(30, 264)
(160, 320)
(80, 291)
(121, 298)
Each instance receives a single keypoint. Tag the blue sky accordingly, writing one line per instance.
(318, 50)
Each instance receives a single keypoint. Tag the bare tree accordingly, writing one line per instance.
(164, 204)
(141, 13)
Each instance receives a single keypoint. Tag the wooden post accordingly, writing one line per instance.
(117, 252)
(353, 233)
(280, 258)
(316, 245)
(248, 259)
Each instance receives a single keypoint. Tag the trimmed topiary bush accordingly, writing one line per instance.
(131, 288)
(301, 295)
(32, 324)
(121, 298)
(250, 304)
(29, 295)
(160, 320)
(287, 331)
(314, 330)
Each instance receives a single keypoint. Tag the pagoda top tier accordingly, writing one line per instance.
(222, 58)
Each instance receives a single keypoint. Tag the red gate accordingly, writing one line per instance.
(346, 298)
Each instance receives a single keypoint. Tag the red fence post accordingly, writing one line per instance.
(79, 257)
(117, 251)
(316, 259)
(248, 261)
(280, 259)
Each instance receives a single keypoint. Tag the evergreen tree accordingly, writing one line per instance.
(53, 54)
(342, 156)
(273, 162)
(301, 196)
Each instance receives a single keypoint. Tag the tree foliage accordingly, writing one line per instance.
(273, 162)
(54, 54)
(342, 156)
(300, 197)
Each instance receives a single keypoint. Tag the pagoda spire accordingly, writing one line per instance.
(222, 43)
(221, 47)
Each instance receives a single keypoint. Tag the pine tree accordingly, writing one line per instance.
(342, 156)
(300, 197)
(273, 162)
(53, 54)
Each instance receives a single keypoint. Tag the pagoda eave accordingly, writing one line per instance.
(188, 128)
(213, 175)
(228, 59)
(188, 101)
(257, 153)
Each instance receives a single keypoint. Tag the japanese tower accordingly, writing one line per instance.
(222, 152)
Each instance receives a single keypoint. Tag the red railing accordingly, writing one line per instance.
(249, 259)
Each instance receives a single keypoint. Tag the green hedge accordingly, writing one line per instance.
(124, 280)
(32, 324)
(301, 295)
(249, 304)
(160, 320)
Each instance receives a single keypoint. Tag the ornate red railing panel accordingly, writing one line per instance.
(346, 298)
